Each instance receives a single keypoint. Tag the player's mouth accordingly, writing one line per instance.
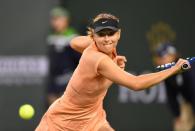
(107, 44)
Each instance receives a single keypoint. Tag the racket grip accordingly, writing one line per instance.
(169, 65)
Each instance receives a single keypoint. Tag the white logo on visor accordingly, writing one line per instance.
(104, 22)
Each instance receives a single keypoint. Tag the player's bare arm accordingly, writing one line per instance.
(80, 43)
(120, 62)
(111, 71)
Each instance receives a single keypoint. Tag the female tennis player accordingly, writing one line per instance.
(81, 106)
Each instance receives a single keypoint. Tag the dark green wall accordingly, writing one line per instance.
(24, 26)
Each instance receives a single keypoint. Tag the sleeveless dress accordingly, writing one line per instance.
(80, 108)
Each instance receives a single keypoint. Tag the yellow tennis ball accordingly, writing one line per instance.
(26, 111)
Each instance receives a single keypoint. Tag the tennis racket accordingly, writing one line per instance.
(169, 65)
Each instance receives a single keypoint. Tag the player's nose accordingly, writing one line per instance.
(106, 38)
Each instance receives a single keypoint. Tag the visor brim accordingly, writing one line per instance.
(97, 29)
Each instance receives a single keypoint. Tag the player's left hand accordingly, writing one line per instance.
(120, 61)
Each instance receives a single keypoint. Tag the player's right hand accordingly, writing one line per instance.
(180, 63)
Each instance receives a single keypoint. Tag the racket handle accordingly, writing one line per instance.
(165, 66)
(169, 65)
(185, 67)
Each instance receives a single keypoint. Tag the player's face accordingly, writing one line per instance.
(107, 40)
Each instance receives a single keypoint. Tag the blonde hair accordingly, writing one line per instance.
(90, 31)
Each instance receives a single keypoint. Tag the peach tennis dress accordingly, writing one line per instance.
(80, 108)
